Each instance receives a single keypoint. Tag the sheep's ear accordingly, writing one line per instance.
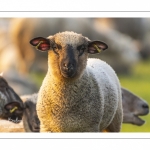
(41, 43)
(96, 47)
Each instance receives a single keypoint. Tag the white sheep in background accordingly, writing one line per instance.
(77, 95)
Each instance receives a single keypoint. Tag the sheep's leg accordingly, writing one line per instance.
(115, 125)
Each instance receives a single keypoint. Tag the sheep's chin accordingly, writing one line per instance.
(138, 121)
(65, 75)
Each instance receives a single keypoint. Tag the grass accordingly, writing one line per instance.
(139, 83)
(37, 78)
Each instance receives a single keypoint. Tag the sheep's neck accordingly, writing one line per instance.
(69, 85)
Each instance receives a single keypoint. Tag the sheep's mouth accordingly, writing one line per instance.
(137, 118)
(138, 121)
(68, 74)
(13, 119)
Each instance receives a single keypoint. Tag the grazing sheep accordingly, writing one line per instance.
(78, 94)
(133, 106)
(11, 106)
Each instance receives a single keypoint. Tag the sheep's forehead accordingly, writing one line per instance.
(72, 38)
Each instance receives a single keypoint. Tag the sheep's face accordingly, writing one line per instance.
(68, 53)
(133, 107)
(10, 103)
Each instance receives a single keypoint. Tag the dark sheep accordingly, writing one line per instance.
(31, 122)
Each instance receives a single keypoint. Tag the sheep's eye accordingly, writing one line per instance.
(54, 47)
(57, 46)
(81, 49)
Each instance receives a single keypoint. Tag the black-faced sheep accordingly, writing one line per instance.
(133, 107)
(11, 106)
(78, 94)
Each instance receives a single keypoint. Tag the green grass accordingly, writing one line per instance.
(139, 83)
(37, 78)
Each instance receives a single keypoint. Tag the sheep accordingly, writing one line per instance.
(11, 106)
(31, 122)
(133, 106)
(77, 94)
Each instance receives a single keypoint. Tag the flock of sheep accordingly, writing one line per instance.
(78, 94)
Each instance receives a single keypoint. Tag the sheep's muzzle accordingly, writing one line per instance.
(68, 63)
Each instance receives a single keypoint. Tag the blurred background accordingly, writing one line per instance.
(129, 52)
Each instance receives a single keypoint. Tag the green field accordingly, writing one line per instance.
(139, 83)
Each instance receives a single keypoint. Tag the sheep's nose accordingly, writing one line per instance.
(68, 67)
(145, 106)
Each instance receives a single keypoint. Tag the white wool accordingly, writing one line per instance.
(108, 85)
